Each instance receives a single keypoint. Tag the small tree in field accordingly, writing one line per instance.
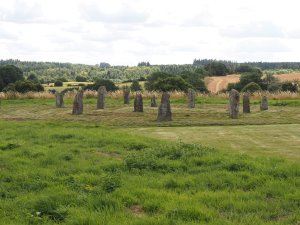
(135, 86)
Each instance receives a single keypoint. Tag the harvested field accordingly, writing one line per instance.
(218, 83)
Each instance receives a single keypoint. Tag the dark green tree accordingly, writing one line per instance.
(149, 84)
(135, 86)
(110, 86)
(289, 86)
(80, 79)
(174, 83)
(23, 86)
(195, 80)
(9, 74)
(251, 87)
(58, 83)
(216, 68)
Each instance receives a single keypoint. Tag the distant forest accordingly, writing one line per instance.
(51, 71)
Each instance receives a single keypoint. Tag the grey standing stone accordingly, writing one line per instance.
(164, 110)
(78, 103)
(126, 95)
(234, 100)
(138, 103)
(153, 101)
(191, 98)
(59, 99)
(246, 103)
(264, 103)
(101, 97)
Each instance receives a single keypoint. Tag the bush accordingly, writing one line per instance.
(149, 84)
(58, 83)
(195, 80)
(26, 86)
(272, 87)
(251, 87)
(9, 74)
(135, 86)
(110, 86)
(289, 86)
(172, 84)
(216, 68)
(80, 79)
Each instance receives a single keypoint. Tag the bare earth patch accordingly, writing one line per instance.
(137, 210)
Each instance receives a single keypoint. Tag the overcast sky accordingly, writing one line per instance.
(125, 32)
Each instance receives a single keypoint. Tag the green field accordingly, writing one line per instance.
(114, 166)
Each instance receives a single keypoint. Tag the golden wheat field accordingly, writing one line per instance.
(217, 83)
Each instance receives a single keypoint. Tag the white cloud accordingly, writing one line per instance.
(168, 31)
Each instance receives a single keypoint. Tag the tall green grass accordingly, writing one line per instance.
(72, 173)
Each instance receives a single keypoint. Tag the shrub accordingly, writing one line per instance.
(272, 87)
(172, 84)
(135, 86)
(58, 83)
(251, 87)
(80, 79)
(23, 86)
(110, 86)
(195, 80)
(289, 86)
(9, 74)
(216, 68)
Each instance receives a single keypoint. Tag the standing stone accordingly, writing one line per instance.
(234, 100)
(191, 98)
(138, 103)
(126, 95)
(153, 101)
(59, 99)
(101, 97)
(246, 103)
(164, 110)
(78, 103)
(264, 103)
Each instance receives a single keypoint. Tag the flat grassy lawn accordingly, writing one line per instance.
(208, 112)
(82, 173)
(282, 140)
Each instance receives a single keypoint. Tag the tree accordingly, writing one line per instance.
(248, 77)
(195, 80)
(251, 87)
(110, 86)
(58, 83)
(216, 68)
(32, 76)
(289, 86)
(9, 74)
(143, 64)
(104, 65)
(149, 84)
(23, 86)
(135, 86)
(80, 79)
(174, 83)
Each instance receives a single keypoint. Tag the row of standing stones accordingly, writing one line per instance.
(234, 102)
(164, 110)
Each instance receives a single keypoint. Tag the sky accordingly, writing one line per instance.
(125, 32)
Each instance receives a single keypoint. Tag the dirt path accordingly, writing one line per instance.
(215, 84)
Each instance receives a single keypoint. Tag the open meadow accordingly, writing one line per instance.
(114, 166)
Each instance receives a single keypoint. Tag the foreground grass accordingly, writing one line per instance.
(71, 173)
(282, 140)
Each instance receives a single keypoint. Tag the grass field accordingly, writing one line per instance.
(114, 166)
